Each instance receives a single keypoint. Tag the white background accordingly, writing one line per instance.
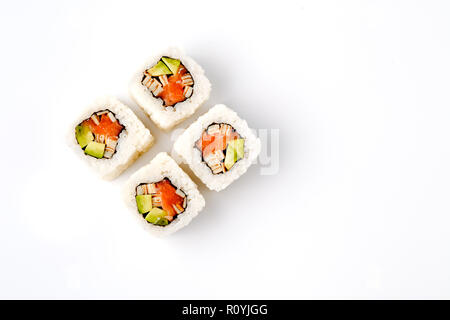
(359, 207)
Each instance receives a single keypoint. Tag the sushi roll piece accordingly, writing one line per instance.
(169, 87)
(109, 137)
(218, 147)
(162, 196)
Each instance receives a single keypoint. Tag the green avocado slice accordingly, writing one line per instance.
(95, 149)
(230, 157)
(235, 151)
(144, 203)
(173, 64)
(157, 216)
(159, 69)
(238, 146)
(83, 135)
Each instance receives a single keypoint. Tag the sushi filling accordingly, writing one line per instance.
(98, 136)
(169, 80)
(161, 202)
(221, 147)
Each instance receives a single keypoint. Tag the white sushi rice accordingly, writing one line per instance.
(184, 148)
(163, 166)
(134, 140)
(167, 118)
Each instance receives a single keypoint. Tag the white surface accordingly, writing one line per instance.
(358, 209)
